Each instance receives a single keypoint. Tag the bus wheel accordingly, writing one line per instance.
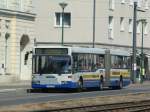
(80, 85)
(121, 83)
(101, 84)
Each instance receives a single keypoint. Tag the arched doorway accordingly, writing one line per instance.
(24, 49)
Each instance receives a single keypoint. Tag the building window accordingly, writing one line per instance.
(26, 5)
(3, 4)
(130, 25)
(123, 1)
(146, 4)
(58, 19)
(0, 23)
(145, 28)
(122, 24)
(139, 3)
(111, 4)
(17, 4)
(110, 27)
(7, 24)
(131, 2)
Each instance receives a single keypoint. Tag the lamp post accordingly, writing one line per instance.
(7, 35)
(62, 5)
(134, 66)
(94, 14)
(142, 55)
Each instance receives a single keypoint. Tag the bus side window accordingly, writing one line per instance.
(75, 64)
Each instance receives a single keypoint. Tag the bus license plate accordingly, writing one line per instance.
(50, 86)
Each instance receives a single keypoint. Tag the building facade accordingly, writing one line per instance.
(16, 38)
(113, 22)
(108, 22)
(113, 26)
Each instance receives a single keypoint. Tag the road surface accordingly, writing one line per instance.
(15, 96)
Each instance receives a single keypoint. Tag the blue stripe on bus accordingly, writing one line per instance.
(91, 83)
(86, 83)
(114, 82)
(69, 84)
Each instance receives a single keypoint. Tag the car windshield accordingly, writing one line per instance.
(51, 64)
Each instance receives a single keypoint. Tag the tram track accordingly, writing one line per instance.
(136, 106)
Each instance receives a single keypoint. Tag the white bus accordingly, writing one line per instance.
(78, 67)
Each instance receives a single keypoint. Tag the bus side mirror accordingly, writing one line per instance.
(73, 71)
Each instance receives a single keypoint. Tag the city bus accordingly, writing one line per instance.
(79, 67)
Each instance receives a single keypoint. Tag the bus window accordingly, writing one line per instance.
(117, 61)
(52, 64)
(113, 62)
(100, 61)
(120, 62)
(75, 63)
(82, 62)
(126, 62)
(87, 62)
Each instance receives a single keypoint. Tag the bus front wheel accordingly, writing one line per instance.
(121, 82)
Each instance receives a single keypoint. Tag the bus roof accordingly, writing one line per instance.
(78, 49)
(88, 50)
(120, 52)
(51, 47)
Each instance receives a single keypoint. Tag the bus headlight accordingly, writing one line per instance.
(35, 82)
(70, 76)
(64, 82)
(33, 77)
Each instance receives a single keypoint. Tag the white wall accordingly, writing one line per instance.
(82, 22)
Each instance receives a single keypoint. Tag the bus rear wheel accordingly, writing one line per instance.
(80, 85)
(101, 83)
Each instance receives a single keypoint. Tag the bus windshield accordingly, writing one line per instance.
(51, 64)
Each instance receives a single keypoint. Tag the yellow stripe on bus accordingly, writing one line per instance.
(90, 76)
(120, 73)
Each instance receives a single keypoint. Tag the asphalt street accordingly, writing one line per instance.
(18, 95)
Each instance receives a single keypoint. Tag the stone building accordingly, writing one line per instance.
(16, 38)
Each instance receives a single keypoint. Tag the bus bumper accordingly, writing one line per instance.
(66, 85)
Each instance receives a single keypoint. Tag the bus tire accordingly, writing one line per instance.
(80, 84)
(121, 82)
(101, 84)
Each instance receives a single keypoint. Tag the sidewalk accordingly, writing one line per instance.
(16, 85)
(145, 83)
